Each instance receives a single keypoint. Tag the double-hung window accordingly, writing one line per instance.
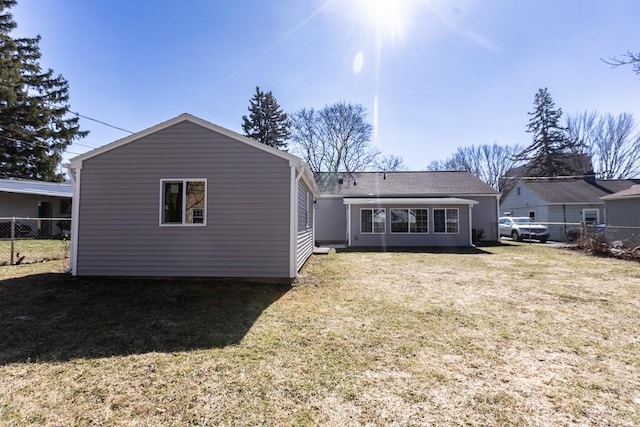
(409, 221)
(184, 202)
(373, 221)
(445, 220)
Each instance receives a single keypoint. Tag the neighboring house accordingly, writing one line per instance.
(22, 198)
(388, 209)
(561, 203)
(189, 198)
(623, 214)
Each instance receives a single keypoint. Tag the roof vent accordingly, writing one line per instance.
(384, 175)
(340, 181)
(355, 182)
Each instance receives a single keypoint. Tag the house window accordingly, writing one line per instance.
(184, 201)
(409, 221)
(532, 215)
(591, 216)
(65, 206)
(445, 221)
(373, 221)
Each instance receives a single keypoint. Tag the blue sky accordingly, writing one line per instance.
(433, 74)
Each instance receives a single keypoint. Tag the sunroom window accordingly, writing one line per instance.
(445, 221)
(373, 221)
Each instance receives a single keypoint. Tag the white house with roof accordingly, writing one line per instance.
(20, 198)
(562, 202)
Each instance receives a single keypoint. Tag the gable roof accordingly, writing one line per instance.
(39, 188)
(630, 193)
(396, 184)
(186, 117)
(575, 190)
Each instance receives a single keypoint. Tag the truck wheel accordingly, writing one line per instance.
(515, 236)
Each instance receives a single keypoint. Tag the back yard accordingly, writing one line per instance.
(509, 335)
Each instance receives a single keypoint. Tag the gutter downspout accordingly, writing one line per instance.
(497, 230)
(471, 225)
(74, 174)
(296, 175)
(348, 236)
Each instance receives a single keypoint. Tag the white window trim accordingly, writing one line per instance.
(535, 216)
(446, 228)
(409, 223)
(372, 222)
(184, 203)
(584, 219)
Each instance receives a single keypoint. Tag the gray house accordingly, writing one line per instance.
(561, 202)
(388, 209)
(22, 198)
(189, 198)
(623, 215)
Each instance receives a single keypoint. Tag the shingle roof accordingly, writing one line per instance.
(630, 193)
(394, 184)
(576, 190)
(40, 188)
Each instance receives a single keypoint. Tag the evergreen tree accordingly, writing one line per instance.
(34, 125)
(266, 123)
(550, 150)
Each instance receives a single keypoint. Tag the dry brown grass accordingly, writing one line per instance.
(512, 335)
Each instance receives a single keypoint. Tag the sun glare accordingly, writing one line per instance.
(388, 17)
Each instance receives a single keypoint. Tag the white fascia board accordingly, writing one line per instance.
(37, 193)
(410, 201)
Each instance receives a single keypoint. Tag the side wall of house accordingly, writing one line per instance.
(623, 213)
(390, 239)
(485, 217)
(331, 221)
(247, 231)
(26, 206)
(565, 218)
(304, 247)
(520, 201)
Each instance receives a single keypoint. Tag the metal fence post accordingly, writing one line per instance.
(13, 233)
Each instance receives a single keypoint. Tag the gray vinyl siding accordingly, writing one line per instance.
(562, 218)
(484, 216)
(304, 243)
(623, 213)
(247, 232)
(389, 239)
(331, 221)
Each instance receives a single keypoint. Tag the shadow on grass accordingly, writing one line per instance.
(420, 249)
(53, 317)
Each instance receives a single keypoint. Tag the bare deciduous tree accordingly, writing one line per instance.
(613, 142)
(391, 163)
(335, 138)
(488, 162)
(628, 58)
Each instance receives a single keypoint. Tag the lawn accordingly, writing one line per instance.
(515, 334)
(28, 250)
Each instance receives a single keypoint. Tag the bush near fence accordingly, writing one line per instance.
(29, 240)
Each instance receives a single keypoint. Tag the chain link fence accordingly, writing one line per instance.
(617, 236)
(29, 240)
